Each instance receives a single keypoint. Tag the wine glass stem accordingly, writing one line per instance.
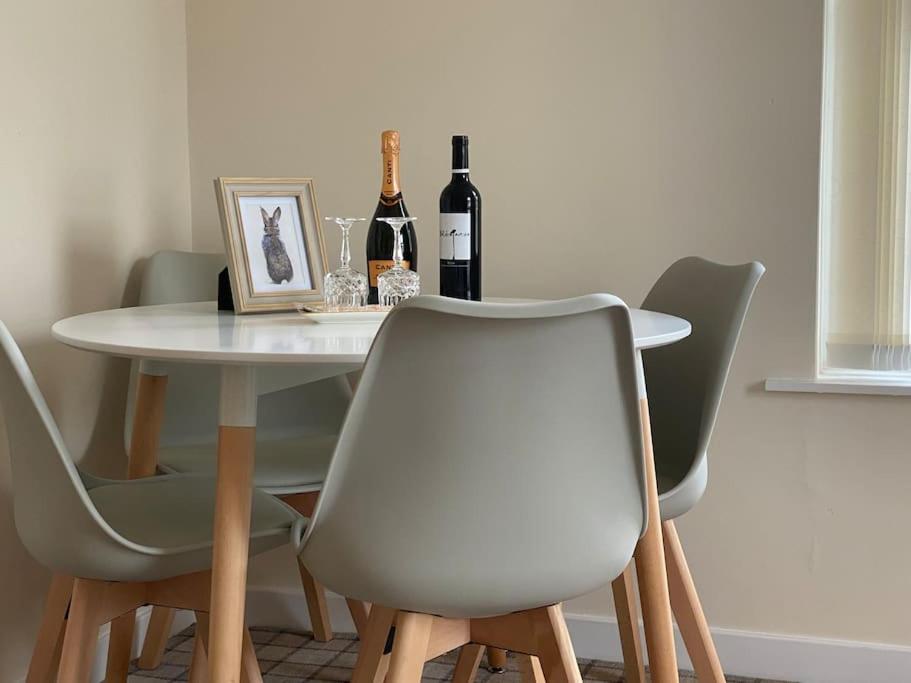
(346, 250)
(398, 253)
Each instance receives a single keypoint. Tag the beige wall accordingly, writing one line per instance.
(608, 139)
(94, 175)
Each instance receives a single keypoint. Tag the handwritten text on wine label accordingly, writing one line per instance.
(455, 236)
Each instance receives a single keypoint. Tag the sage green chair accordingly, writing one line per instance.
(455, 399)
(127, 543)
(297, 425)
(685, 383)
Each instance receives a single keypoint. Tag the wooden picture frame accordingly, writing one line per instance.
(273, 242)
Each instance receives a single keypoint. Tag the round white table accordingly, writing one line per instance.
(198, 333)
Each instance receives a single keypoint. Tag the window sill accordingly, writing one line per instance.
(872, 386)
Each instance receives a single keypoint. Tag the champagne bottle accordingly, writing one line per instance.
(380, 238)
(460, 229)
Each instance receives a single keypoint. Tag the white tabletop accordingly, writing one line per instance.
(198, 332)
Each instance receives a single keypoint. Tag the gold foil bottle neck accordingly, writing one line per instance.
(390, 142)
(390, 146)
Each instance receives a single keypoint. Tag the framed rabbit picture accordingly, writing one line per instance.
(273, 242)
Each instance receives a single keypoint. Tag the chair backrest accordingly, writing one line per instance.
(54, 516)
(685, 380)
(191, 407)
(176, 277)
(491, 460)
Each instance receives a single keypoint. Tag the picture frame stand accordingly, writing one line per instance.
(225, 299)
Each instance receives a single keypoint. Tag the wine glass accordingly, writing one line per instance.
(398, 283)
(345, 287)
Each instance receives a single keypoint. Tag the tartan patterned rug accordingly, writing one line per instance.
(287, 657)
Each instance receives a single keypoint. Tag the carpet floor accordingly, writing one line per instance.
(287, 657)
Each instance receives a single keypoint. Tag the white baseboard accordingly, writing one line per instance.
(743, 653)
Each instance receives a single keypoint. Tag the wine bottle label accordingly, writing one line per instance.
(376, 267)
(455, 236)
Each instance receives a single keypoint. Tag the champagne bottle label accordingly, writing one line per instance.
(376, 267)
(390, 143)
(455, 236)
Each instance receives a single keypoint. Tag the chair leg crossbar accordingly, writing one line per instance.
(538, 636)
(76, 609)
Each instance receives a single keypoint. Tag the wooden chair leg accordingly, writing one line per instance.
(305, 503)
(199, 673)
(156, 637)
(120, 648)
(496, 660)
(49, 641)
(316, 605)
(466, 667)
(360, 611)
(688, 610)
(412, 635)
(372, 662)
(81, 632)
(198, 665)
(148, 416)
(628, 622)
(249, 665)
(651, 570)
(555, 649)
(530, 669)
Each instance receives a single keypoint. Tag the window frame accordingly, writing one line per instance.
(828, 378)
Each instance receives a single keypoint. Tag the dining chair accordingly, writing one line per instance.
(297, 426)
(116, 544)
(685, 382)
(456, 398)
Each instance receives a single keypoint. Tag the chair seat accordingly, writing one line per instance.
(283, 466)
(678, 496)
(171, 518)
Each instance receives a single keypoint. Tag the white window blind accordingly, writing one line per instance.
(864, 321)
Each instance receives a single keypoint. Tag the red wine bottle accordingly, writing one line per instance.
(460, 229)
(380, 238)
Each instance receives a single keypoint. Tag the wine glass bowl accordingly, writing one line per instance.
(345, 288)
(398, 283)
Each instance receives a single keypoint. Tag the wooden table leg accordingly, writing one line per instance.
(236, 444)
(652, 573)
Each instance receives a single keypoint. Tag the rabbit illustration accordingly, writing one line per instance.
(277, 262)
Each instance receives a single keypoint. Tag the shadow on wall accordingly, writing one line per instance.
(103, 452)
